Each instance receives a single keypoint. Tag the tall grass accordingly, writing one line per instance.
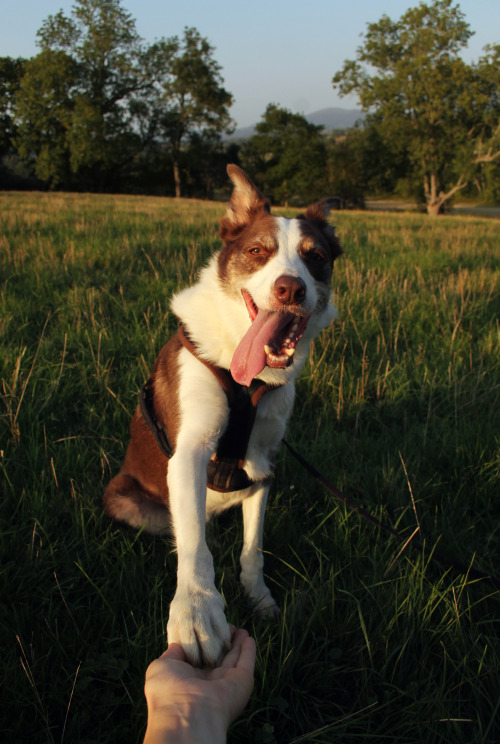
(399, 406)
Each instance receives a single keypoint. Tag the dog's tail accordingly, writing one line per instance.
(125, 501)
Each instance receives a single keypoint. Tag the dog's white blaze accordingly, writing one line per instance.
(287, 262)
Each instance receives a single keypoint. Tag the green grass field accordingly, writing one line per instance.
(399, 406)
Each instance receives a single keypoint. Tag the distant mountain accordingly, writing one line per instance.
(335, 118)
(329, 118)
(242, 133)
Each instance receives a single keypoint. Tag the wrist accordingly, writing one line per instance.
(184, 723)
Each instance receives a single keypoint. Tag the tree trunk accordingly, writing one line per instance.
(434, 200)
(177, 179)
(434, 209)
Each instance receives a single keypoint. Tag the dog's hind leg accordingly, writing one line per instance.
(252, 557)
(126, 501)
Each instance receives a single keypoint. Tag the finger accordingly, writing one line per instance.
(175, 652)
(231, 658)
(246, 659)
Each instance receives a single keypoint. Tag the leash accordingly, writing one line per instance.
(417, 544)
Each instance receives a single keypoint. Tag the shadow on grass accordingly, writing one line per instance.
(86, 602)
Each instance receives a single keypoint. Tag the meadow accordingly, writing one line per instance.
(399, 406)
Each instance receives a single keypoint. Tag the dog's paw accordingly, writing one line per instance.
(267, 609)
(264, 604)
(197, 623)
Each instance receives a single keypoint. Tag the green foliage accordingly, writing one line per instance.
(44, 109)
(364, 162)
(287, 157)
(409, 75)
(75, 105)
(11, 71)
(400, 393)
(96, 98)
(195, 103)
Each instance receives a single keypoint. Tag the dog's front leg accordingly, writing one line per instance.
(252, 557)
(196, 619)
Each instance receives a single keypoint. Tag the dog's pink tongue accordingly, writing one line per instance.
(250, 358)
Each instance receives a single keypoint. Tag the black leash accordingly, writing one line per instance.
(416, 543)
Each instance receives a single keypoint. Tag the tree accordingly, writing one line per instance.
(44, 106)
(426, 98)
(11, 71)
(84, 98)
(194, 99)
(363, 161)
(487, 133)
(287, 155)
(205, 160)
(96, 99)
(14, 173)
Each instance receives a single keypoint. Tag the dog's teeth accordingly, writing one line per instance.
(289, 352)
(267, 349)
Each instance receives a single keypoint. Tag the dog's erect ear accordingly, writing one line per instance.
(318, 215)
(246, 201)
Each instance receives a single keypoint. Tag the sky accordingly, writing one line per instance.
(270, 51)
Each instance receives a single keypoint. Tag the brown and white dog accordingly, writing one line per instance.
(254, 311)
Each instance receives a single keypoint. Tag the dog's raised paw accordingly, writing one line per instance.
(197, 623)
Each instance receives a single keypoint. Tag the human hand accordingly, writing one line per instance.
(198, 704)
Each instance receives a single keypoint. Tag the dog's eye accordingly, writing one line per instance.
(315, 257)
(255, 250)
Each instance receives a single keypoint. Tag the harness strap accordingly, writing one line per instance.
(225, 471)
(157, 429)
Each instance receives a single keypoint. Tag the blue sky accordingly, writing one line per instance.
(271, 51)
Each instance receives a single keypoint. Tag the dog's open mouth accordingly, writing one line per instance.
(270, 341)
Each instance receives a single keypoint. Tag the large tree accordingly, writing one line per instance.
(97, 99)
(411, 80)
(287, 155)
(44, 106)
(84, 99)
(194, 101)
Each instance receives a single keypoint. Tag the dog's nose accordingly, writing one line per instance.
(289, 290)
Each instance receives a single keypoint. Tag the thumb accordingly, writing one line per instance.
(174, 652)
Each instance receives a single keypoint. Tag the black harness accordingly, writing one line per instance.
(225, 471)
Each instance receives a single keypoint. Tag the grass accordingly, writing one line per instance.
(399, 406)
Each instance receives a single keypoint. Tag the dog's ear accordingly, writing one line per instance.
(246, 201)
(318, 215)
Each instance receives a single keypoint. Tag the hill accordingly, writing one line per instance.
(329, 118)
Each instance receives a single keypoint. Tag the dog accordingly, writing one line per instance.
(213, 413)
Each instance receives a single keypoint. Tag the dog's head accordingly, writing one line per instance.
(281, 270)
